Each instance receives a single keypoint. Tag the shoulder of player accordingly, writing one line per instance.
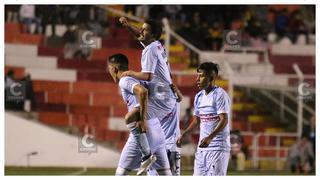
(196, 97)
(220, 92)
(125, 79)
(152, 47)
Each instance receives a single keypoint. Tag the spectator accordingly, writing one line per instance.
(11, 13)
(301, 156)
(172, 11)
(216, 35)
(12, 101)
(49, 15)
(297, 26)
(142, 11)
(238, 156)
(281, 23)
(309, 130)
(84, 50)
(29, 101)
(27, 17)
(70, 43)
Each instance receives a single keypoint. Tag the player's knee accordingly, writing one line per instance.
(121, 171)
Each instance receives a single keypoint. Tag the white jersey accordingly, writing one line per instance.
(126, 85)
(207, 108)
(154, 60)
(131, 156)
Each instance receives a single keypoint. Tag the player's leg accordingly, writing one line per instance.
(199, 166)
(122, 172)
(174, 161)
(217, 163)
(162, 165)
(172, 131)
(157, 143)
(132, 119)
(129, 158)
(175, 155)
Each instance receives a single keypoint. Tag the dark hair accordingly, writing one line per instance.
(10, 72)
(120, 60)
(209, 67)
(156, 28)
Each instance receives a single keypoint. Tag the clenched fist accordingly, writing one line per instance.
(123, 21)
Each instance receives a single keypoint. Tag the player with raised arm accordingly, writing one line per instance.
(146, 136)
(165, 95)
(211, 112)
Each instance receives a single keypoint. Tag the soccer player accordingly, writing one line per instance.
(165, 96)
(211, 112)
(136, 97)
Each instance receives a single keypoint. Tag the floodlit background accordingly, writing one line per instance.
(64, 114)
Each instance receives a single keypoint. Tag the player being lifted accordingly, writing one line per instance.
(165, 96)
(144, 129)
(211, 112)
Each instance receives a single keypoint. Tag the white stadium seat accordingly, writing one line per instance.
(32, 62)
(21, 50)
(52, 74)
(117, 124)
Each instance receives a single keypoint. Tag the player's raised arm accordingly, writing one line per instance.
(131, 28)
(142, 94)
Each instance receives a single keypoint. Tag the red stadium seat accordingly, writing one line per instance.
(95, 87)
(55, 119)
(106, 100)
(51, 86)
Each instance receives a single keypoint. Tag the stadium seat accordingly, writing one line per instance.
(54, 119)
(32, 62)
(24, 50)
(51, 86)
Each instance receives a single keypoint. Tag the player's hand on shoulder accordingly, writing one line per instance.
(205, 142)
(126, 73)
(123, 21)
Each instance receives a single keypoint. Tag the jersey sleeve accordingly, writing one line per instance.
(149, 61)
(195, 106)
(128, 83)
(223, 103)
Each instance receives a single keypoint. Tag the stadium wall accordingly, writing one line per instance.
(54, 148)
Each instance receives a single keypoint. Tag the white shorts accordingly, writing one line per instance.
(171, 129)
(211, 163)
(130, 158)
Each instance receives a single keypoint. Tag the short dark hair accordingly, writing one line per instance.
(156, 28)
(209, 67)
(120, 60)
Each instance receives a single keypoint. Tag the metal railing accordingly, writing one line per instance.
(256, 147)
